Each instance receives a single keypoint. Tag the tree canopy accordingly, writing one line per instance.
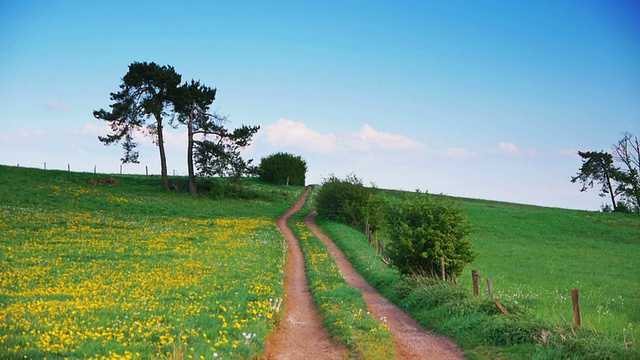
(145, 94)
(617, 173)
(283, 168)
(152, 91)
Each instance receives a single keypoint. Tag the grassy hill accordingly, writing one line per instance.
(90, 259)
(94, 266)
(534, 257)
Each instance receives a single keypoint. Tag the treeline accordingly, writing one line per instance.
(421, 229)
(616, 172)
(150, 94)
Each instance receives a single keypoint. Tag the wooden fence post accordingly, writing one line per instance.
(120, 169)
(474, 275)
(94, 168)
(146, 170)
(45, 165)
(68, 167)
(575, 297)
(490, 286)
(444, 276)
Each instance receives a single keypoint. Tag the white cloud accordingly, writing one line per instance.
(506, 149)
(295, 134)
(95, 129)
(458, 153)
(572, 153)
(369, 139)
(366, 143)
(54, 105)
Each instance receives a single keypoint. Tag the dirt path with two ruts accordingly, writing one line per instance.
(302, 336)
(412, 340)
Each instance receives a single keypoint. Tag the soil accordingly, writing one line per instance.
(413, 341)
(301, 334)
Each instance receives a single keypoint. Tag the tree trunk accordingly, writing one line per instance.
(163, 157)
(192, 178)
(613, 198)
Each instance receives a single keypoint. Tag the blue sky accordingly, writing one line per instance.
(477, 99)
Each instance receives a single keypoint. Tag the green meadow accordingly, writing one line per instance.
(100, 267)
(113, 267)
(535, 256)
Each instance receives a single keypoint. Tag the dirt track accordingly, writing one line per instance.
(301, 334)
(413, 341)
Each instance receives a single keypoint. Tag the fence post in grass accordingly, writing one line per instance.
(94, 168)
(146, 170)
(120, 169)
(490, 286)
(68, 167)
(367, 232)
(474, 275)
(575, 297)
(444, 276)
(45, 165)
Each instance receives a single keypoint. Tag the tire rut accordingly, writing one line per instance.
(301, 334)
(412, 340)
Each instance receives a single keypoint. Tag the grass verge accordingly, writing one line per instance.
(476, 326)
(342, 308)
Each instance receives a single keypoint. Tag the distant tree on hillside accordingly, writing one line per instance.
(627, 151)
(192, 102)
(145, 94)
(598, 168)
(620, 182)
(283, 168)
(216, 150)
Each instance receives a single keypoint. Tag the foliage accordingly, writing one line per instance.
(345, 200)
(283, 168)
(422, 229)
(616, 180)
(152, 90)
(598, 167)
(218, 153)
(145, 92)
(627, 152)
(216, 150)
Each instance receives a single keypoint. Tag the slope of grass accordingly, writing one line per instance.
(100, 267)
(534, 256)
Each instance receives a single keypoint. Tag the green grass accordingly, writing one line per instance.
(534, 257)
(342, 308)
(133, 271)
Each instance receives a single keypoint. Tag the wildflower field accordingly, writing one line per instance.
(129, 271)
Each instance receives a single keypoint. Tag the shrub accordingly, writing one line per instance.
(344, 201)
(283, 169)
(421, 230)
